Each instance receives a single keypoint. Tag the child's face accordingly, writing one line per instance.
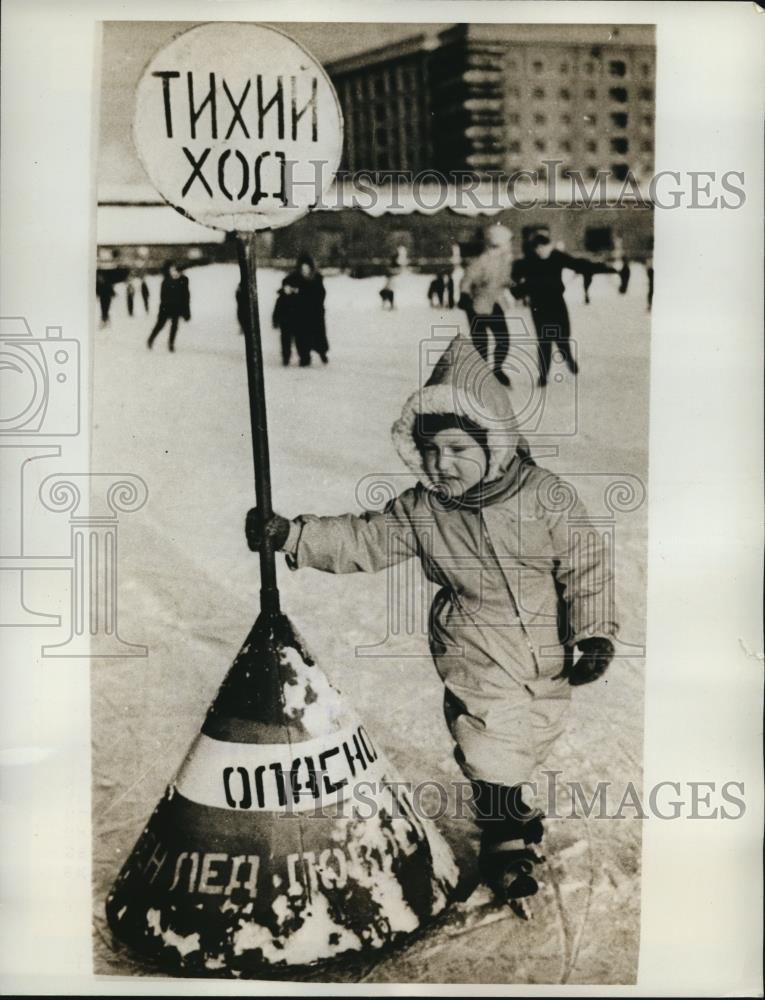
(455, 460)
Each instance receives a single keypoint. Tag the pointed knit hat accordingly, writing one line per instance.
(462, 384)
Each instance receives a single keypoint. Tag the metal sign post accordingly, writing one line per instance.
(269, 591)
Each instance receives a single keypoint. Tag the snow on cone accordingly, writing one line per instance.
(284, 839)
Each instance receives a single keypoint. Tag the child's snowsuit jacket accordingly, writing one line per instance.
(520, 573)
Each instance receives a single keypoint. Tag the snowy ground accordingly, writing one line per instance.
(188, 589)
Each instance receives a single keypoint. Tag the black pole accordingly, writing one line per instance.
(269, 592)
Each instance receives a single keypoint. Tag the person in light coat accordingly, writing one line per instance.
(483, 296)
(522, 584)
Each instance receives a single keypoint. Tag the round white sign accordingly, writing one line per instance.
(237, 126)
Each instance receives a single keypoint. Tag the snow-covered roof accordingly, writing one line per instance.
(140, 224)
(137, 215)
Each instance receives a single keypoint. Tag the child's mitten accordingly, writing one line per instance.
(597, 653)
(277, 528)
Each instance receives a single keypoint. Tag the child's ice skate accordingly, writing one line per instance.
(507, 866)
(509, 833)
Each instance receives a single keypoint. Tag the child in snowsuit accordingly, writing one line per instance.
(519, 591)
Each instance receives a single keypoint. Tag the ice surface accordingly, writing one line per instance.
(188, 588)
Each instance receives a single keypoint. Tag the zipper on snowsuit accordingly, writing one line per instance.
(493, 552)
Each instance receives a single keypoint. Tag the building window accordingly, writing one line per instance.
(590, 120)
(598, 239)
(589, 68)
(647, 121)
(513, 147)
(617, 67)
(620, 171)
(619, 145)
(591, 146)
(540, 119)
(618, 94)
(514, 92)
(591, 171)
(564, 67)
(565, 146)
(514, 119)
(565, 119)
(646, 146)
(590, 93)
(645, 69)
(619, 119)
(538, 93)
(540, 145)
(564, 94)
(538, 66)
(645, 94)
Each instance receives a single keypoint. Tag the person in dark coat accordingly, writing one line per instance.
(145, 294)
(174, 304)
(129, 294)
(436, 292)
(299, 313)
(624, 276)
(537, 278)
(448, 281)
(388, 294)
(105, 294)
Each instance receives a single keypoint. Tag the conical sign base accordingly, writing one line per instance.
(285, 838)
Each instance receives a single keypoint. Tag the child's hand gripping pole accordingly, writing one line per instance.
(269, 593)
(276, 529)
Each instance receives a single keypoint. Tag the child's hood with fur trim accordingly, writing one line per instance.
(461, 383)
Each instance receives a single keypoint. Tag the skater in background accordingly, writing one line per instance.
(104, 294)
(299, 313)
(145, 294)
(388, 294)
(441, 291)
(448, 283)
(503, 643)
(586, 284)
(174, 304)
(482, 291)
(587, 277)
(649, 275)
(624, 276)
(537, 279)
(436, 292)
(129, 293)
